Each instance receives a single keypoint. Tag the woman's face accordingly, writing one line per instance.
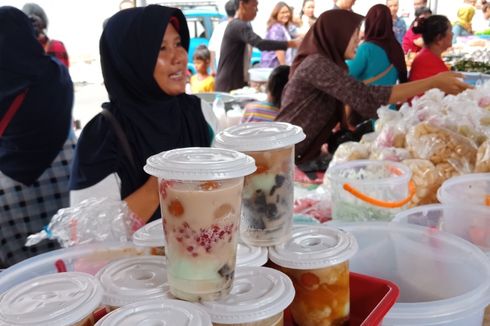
(284, 15)
(393, 5)
(350, 51)
(170, 69)
(447, 40)
(309, 8)
(486, 14)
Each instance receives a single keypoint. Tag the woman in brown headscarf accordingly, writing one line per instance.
(319, 84)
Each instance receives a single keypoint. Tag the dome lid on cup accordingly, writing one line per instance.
(251, 256)
(199, 164)
(258, 293)
(133, 279)
(312, 247)
(150, 235)
(54, 299)
(259, 136)
(158, 312)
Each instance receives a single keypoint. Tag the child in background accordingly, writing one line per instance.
(202, 82)
(267, 110)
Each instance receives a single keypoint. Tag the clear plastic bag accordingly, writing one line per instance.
(427, 180)
(93, 220)
(483, 158)
(442, 146)
(350, 151)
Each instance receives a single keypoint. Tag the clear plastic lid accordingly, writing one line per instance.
(200, 163)
(250, 255)
(312, 247)
(134, 279)
(259, 136)
(54, 299)
(160, 312)
(257, 293)
(150, 235)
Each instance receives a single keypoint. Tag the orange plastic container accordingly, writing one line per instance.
(370, 300)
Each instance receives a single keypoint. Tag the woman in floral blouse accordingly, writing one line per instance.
(278, 30)
(319, 85)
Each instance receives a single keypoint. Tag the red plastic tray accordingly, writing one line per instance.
(370, 300)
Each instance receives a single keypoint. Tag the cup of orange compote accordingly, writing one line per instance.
(316, 258)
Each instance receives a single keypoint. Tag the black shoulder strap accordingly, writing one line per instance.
(121, 136)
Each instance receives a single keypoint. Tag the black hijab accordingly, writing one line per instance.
(379, 30)
(152, 120)
(39, 129)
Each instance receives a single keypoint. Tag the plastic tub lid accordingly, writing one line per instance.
(150, 235)
(250, 255)
(134, 279)
(199, 164)
(312, 247)
(55, 299)
(259, 136)
(346, 172)
(469, 189)
(158, 312)
(257, 293)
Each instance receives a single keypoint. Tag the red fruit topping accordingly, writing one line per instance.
(209, 185)
(164, 184)
(190, 248)
(175, 208)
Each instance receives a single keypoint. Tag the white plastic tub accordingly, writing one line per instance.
(469, 223)
(443, 280)
(367, 190)
(88, 258)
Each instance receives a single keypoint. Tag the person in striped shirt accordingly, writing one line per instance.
(261, 111)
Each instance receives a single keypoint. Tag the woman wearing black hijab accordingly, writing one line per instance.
(144, 64)
(319, 85)
(36, 98)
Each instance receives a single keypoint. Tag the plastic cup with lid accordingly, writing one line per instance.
(56, 299)
(267, 207)
(200, 193)
(258, 298)
(158, 312)
(151, 236)
(134, 279)
(316, 258)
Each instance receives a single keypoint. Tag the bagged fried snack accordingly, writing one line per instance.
(350, 151)
(440, 145)
(427, 180)
(483, 158)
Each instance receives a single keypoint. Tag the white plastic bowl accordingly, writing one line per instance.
(443, 280)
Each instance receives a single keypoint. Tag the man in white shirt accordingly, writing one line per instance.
(214, 45)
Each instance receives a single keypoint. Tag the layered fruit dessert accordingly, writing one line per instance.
(200, 222)
(267, 208)
(322, 295)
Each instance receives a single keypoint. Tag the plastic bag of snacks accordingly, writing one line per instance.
(426, 179)
(93, 220)
(483, 158)
(350, 151)
(441, 145)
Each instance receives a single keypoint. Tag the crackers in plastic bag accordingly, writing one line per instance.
(483, 158)
(427, 180)
(440, 145)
